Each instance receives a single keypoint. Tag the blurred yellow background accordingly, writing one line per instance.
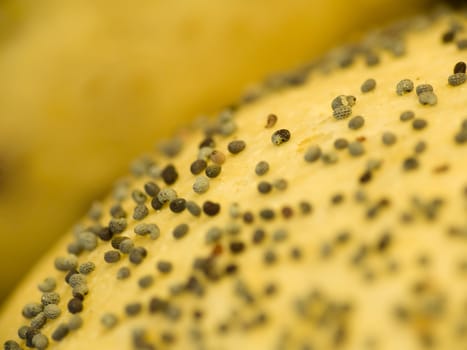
(87, 85)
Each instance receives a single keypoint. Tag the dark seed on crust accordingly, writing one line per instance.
(406, 115)
(193, 208)
(178, 205)
(164, 266)
(146, 281)
(50, 298)
(180, 231)
(261, 168)
(419, 124)
(169, 174)
(312, 154)
(271, 121)
(111, 256)
(280, 136)
(133, 309)
(198, 166)
(60, 332)
(75, 306)
(236, 147)
(264, 187)
(404, 86)
(428, 98)
(342, 112)
(368, 85)
(340, 143)
(389, 138)
(32, 309)
(356, 122)
(457, 79)
(460, 67)
(423, 88)
(123, 273)
(137, 255)
(11, 345)
(410, 163)
(151, 189)
(211, 208)
(213, 170)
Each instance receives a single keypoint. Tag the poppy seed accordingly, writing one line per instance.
(117, 211)
(66, 263)
(145, 281)
(368, 85)
(389, 138)
(356, 149)
(60, 332)
(32, 309)
(75, 322)
(261, 168)
(342, 112)
(406, 116)
(236, 147)
(76, 279)
(133, 309)
(180, 231)
(419, 124)
(213, 170)
(169, 174)
(166, 195)
(109, 320)
(52, 311)
(86, 268)
(111, 256)
(211, 208)
(11, 345)
(164, 266)
(264, 187)
(123, 273)
(423, 88)
(343, 101)
(193, 208)
(50, 298)
(312, 154)
(460, 67)
(126, 246)
(137, 255)
(340, 143)
(356, 122)
(177, 205)
(410, 163)
(217, 157)
(271, 120)
(117, 225)
(40, 341)
(280, 136)
(75, 305)
(47, 285)
(198, 166)
(38, 321)
(144, 229)
(428, 98)
(138, 197)
(201, 184)
(151, 189)
(456, 79)
(404, 86)
(87, 240)
(140, 212)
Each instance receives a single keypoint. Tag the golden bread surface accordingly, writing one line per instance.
(360, 251)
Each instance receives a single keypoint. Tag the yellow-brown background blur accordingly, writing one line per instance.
(86, 85)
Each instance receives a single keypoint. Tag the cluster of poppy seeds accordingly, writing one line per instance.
(151, 216)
